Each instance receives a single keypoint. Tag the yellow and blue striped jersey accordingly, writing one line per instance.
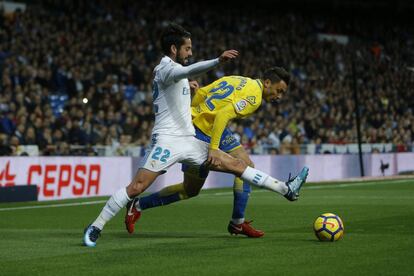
(242, 93)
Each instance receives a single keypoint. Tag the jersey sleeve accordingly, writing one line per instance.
(220, 123)
(175, 72)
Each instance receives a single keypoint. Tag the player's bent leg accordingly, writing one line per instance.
(181, 149)
(189, 188)
(166, 196)
(289, 189)
(116, 202)
(194, 179)
(238, 225)
(142, 180)
(229, 164)
(241, 192)
(241, 188)
(258, 178)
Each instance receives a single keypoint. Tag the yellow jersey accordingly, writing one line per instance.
(238, 96)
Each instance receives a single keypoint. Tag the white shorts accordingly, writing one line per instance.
(166, 150)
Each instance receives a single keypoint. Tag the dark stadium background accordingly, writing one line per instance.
(88, 49)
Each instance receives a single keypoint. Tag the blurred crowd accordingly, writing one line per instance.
(80, 73)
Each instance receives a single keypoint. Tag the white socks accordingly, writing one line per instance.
(237, 221)
(137, 206)
(262, 180)
(117, 201)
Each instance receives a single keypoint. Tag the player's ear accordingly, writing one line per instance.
(173, 50)
(267, 83)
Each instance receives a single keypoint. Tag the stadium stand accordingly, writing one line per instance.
(79, 82)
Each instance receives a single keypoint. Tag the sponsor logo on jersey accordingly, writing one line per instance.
(228, 140)
(240, 105)
(251, 99)
(186, 91)
(243, 82)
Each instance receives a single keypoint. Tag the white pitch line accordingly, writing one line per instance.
(330, 186)
(325, 186)
(54, 205)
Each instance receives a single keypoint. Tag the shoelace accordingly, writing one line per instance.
(94, 234)
(248, 222)
(290, 179)
(250, 228)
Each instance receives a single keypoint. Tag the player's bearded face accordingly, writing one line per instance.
(185, 52)
(276, 91)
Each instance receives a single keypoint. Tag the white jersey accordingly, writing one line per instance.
(173, 138)
(172, 101)
(172, 96)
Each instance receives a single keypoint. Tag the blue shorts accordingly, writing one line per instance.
(228, 143)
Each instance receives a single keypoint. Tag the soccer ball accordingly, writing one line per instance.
(328, 227)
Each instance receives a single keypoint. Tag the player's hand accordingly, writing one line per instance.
(194, 86)
(213, 159)
(228, 55)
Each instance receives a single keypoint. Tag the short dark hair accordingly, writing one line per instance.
(173, 34)
(276, 74)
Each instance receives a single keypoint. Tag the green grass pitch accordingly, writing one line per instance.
(190, 237)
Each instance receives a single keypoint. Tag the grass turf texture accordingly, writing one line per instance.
(191, 237)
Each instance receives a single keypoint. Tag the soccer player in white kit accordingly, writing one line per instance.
(173, 135)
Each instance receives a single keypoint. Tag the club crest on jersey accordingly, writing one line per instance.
(240, 105)
(251, 99)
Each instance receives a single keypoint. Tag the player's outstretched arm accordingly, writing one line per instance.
(228, 55)
(201, 67)
(220, 122)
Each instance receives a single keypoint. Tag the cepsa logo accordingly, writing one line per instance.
(52, 180)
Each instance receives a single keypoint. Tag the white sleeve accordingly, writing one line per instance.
(175, 73)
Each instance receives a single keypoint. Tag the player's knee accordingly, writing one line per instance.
(193, 189)
(238, 166)
(250, 163)
(136, 188)
(193, 192)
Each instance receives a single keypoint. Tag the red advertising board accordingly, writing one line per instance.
(67, 177)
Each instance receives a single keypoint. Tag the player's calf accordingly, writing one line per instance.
(142, 180)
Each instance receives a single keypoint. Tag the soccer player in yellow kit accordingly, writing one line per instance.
(213, 106)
